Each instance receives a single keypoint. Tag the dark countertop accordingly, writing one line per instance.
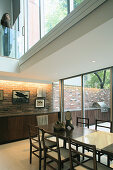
(24, 114)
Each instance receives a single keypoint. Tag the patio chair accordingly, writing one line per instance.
(82, 121)
(60, 155)
(89, 161)
(98, 123)
(36, 144)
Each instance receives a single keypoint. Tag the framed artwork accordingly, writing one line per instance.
(1, 94)
(40, 103)
(20, 96)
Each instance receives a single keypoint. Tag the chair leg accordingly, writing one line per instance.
(98, 156)
(108, 161)
(83, 151)
(44, 159)
(59, 166)
(40, 156)
(30, 154)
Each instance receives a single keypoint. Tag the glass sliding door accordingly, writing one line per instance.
(72, 97)
(27, 25)
(96, 96)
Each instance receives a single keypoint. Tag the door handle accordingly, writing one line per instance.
(23, 31)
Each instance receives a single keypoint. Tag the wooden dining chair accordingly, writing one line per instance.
(60, 155)
(89, 161)
(42, 120)
(98, 123)
(36, 144)
(82, 121)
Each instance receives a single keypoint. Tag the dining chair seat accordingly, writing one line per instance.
(49, 143)
(64, 154)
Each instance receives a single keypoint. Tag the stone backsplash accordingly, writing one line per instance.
(6, 104)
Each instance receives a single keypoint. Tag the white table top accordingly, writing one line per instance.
(98, 138)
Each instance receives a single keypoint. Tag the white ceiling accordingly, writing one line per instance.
(77, 57)
(74, 59)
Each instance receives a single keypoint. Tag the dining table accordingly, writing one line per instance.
(102, 140)
(72, 133)
(64, 134)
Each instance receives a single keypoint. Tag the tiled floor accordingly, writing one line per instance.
(15, 156)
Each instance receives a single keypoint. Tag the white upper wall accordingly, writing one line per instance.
(9, 65)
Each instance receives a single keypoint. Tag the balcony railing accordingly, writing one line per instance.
(10, 43)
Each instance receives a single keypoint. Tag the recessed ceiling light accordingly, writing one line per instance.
(93, 61)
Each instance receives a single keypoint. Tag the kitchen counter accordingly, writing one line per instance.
(14, 127)
(24, 114)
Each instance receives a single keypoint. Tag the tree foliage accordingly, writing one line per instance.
(57, 11)
(77, 2)
(100, 79)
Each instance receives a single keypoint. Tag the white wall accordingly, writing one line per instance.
(9, 65)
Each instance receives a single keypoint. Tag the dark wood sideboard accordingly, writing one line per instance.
(13, 128)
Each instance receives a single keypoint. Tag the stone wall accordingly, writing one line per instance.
(6, 104)
(72, 97)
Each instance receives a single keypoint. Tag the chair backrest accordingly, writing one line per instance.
(72, 149)
(81, 120)
(55, 138)
(42, 120)
(34, 135)
(99, 123)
